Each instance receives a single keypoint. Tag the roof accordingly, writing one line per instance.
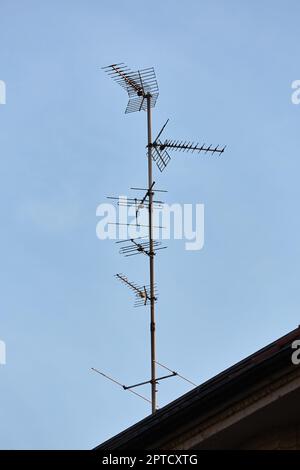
(223, 387)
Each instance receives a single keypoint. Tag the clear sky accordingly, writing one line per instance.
(225, 70)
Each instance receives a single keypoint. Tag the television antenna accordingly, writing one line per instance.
(142, 89)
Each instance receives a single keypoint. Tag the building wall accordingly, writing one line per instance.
(287, 438)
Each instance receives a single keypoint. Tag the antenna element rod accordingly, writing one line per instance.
(118, 383)
(179, 375)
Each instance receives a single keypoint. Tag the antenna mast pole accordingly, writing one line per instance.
(151, 258)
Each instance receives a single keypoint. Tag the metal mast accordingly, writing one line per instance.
(151, 258)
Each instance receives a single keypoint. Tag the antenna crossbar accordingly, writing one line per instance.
(150, 381)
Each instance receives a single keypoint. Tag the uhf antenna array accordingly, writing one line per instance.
(142, 89)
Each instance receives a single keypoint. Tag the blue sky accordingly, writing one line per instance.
(225, 71)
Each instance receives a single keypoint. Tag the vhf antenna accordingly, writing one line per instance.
(142, 89)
